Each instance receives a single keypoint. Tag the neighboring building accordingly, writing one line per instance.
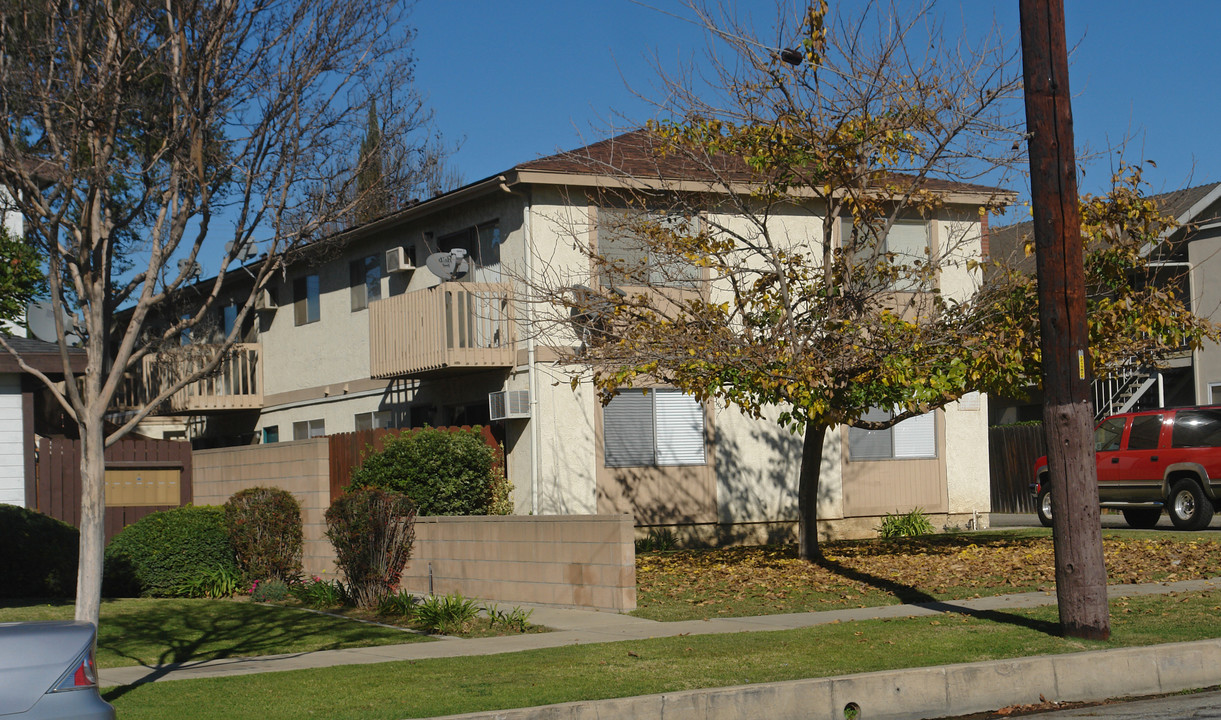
(372, 337)
(1189, 262)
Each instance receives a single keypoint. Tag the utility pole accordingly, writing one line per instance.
(1068, 420)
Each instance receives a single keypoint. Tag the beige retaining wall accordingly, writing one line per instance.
(565, 560)
(299, 467)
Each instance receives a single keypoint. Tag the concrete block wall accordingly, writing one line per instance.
(300, 467)
(586, 561)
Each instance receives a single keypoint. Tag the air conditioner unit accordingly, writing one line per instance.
(397, 260)
(509, 404)
(266, 300)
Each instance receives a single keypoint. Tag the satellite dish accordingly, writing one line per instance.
(448, 265)
(40, 318)
(245, 252)
(189, 269)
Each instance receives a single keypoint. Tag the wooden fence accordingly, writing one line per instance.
(348, 450)
(142, 477)
(1012, 451)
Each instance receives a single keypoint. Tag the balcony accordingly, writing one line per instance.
(453, 326)
(237, 384)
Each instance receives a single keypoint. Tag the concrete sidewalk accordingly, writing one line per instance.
(581, 627)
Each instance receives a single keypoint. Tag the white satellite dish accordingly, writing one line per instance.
(40, 318)
(244, 253)
(448, 265)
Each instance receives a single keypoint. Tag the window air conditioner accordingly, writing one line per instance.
(397, 260)
(266, 300)
(509, 404)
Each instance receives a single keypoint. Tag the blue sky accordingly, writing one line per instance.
(513, 81)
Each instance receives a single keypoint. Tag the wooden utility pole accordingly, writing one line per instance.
(1068, 420)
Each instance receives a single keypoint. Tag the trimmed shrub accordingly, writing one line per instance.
(443, 472)
(372, 531)
(39, 554)
(166, 553)
(264, 527)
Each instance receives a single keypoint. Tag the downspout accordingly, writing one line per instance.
(531, 370)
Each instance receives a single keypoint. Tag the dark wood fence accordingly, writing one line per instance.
(58, 478)
(1012, 451)
(348, 450)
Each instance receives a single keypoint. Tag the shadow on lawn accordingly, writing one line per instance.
(909, 595)
(243, 630)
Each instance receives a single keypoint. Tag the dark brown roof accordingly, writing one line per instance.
(637, 154)
(42, 356)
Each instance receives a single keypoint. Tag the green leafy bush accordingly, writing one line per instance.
(443, 472)
(372, 531)
(401, 603)
(264, 527)
(445, 614)
(216, 582)
(273, 590)
(662, 540)
(169, 553)
(908, 524)
(37, 554)
(320, 594)
(517, 619)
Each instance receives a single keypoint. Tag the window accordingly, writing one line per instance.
(229, 318)
(655, 428)
(911, 439)
(909, 241)
(1145, 432)
(1108, 434)
(1197, 428)
(271, 434)
(365, 280)
(628, 258)
(307, 429)
(374, 420)
(306, 300)
(1214, 394)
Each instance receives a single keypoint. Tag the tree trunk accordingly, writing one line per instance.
(1081, 578)
(93, 521)
(807, 493)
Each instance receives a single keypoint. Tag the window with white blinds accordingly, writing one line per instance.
(660, 427)
(913, 438)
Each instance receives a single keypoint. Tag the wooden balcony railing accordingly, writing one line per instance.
(237, 384)
(453, 325)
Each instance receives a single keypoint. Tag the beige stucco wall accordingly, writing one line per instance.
(1205, 257)
(966, 457)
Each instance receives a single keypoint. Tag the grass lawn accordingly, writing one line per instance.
(437, 687)
(741, 581)
(150, 631)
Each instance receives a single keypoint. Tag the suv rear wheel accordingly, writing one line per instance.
(1142, 518)
(1044, 507)
(1189, 508)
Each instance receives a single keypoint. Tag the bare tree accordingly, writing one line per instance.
(134, 131)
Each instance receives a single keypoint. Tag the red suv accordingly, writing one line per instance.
(1168, 458)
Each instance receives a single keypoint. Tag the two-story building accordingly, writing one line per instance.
(426, 317)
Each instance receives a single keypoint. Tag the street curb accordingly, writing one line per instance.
(930, 692)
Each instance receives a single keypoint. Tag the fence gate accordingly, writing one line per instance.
(142, 477)
(1012, 451)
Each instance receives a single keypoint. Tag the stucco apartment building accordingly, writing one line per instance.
(376, 336)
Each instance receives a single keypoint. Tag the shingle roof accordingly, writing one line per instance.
(43, 356)
(638, 154)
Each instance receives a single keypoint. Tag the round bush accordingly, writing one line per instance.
(264, 526)
(39, 554)
(166, 554)
(443, 472)
(372, 532)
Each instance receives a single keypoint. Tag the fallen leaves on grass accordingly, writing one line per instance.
(771, 579)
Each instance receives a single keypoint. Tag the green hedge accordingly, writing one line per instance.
(38, 554)
(443, 472)
(162, 554)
